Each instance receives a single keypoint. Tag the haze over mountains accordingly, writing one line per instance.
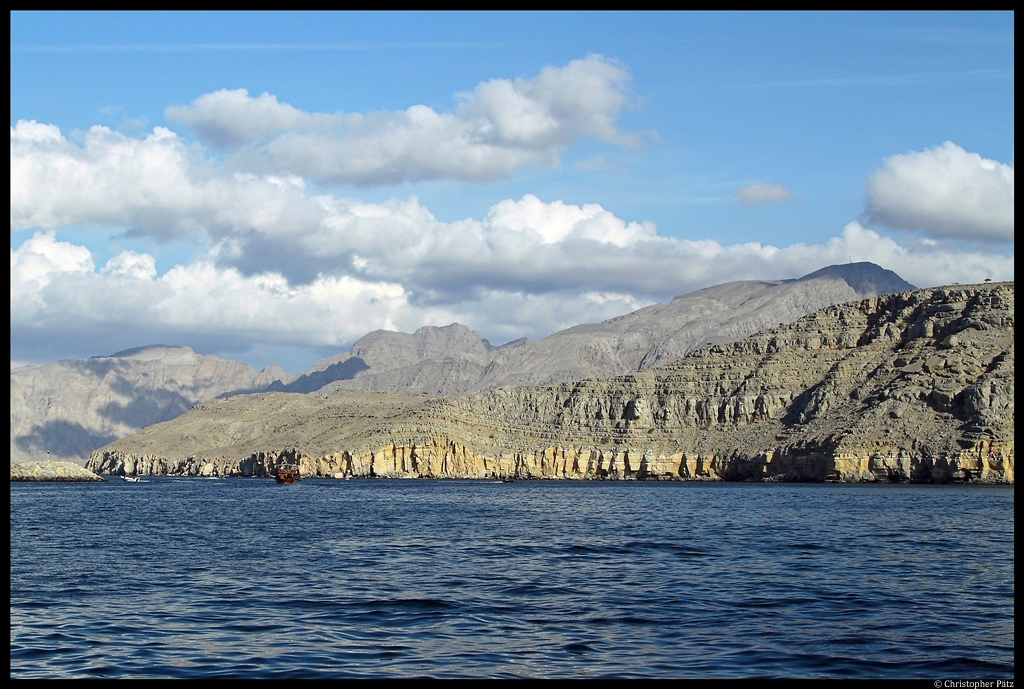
(65, 409)
(70, 408)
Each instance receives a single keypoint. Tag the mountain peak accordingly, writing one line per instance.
(153, 352)
(866, 278)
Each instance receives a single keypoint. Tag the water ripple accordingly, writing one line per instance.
(324, 579)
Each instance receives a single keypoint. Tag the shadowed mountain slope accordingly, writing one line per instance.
(67, 409)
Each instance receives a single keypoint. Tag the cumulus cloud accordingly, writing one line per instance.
(260, 223)
(944, 192)
(130, 264)
(499, 127)
(155, 186)
(43, 256)
(57, 293)
(263, 224)
(228, 119)
(33, 266)
(763, 192)
(55, 286)
(112, 178)
(558, 221)
(287, 267)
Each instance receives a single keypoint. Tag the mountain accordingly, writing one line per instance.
(67, 409)
(915, 386)
(72, 407)
(383, 351)
(455, 360)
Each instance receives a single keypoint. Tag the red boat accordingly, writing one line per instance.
(287, 473)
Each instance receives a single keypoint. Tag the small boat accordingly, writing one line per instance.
(287, 473)
(131, 479)
(508, 479)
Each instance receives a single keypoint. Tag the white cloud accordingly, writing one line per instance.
(55, 286)
(926, 264)
(262, 225)
(228, 119)
(111, 179)
(944, 192)
(57, 293)
(763, 192)
(30, 130)
(131, 264)
(557, 221)
(497, 128)
(33, 266)
(42, 256)
(155, 186)
(288, 267)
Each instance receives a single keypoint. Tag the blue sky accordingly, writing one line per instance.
(269, 187)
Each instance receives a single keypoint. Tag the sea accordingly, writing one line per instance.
(375, 578)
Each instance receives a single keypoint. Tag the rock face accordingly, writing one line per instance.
(916, 386)
(69, 408)
(455, 360)
(51, 471)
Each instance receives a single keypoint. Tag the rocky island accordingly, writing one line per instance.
(51, 471)
(912, 386)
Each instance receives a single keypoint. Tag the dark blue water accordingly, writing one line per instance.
(376, 578)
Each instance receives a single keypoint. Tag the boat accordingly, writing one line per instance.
(132, 479)
(508, 479)
(287, 473)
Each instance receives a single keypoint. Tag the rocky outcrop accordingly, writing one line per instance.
(51, 471)
(916, 386)
(69, 408)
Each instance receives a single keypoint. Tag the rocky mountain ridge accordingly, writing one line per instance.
(916, 386)
(69, 408)
(455, 360)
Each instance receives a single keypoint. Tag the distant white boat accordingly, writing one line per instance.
(132, 479)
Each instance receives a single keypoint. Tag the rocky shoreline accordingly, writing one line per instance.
(447, 461)
(51, 471)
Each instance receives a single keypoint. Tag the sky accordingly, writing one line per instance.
(270, 187)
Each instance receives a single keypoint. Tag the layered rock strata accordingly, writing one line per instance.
(915, 386)
(51, 471)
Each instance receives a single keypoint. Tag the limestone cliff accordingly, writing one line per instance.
(915, 386)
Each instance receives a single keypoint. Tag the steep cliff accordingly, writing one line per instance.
(915, 386)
